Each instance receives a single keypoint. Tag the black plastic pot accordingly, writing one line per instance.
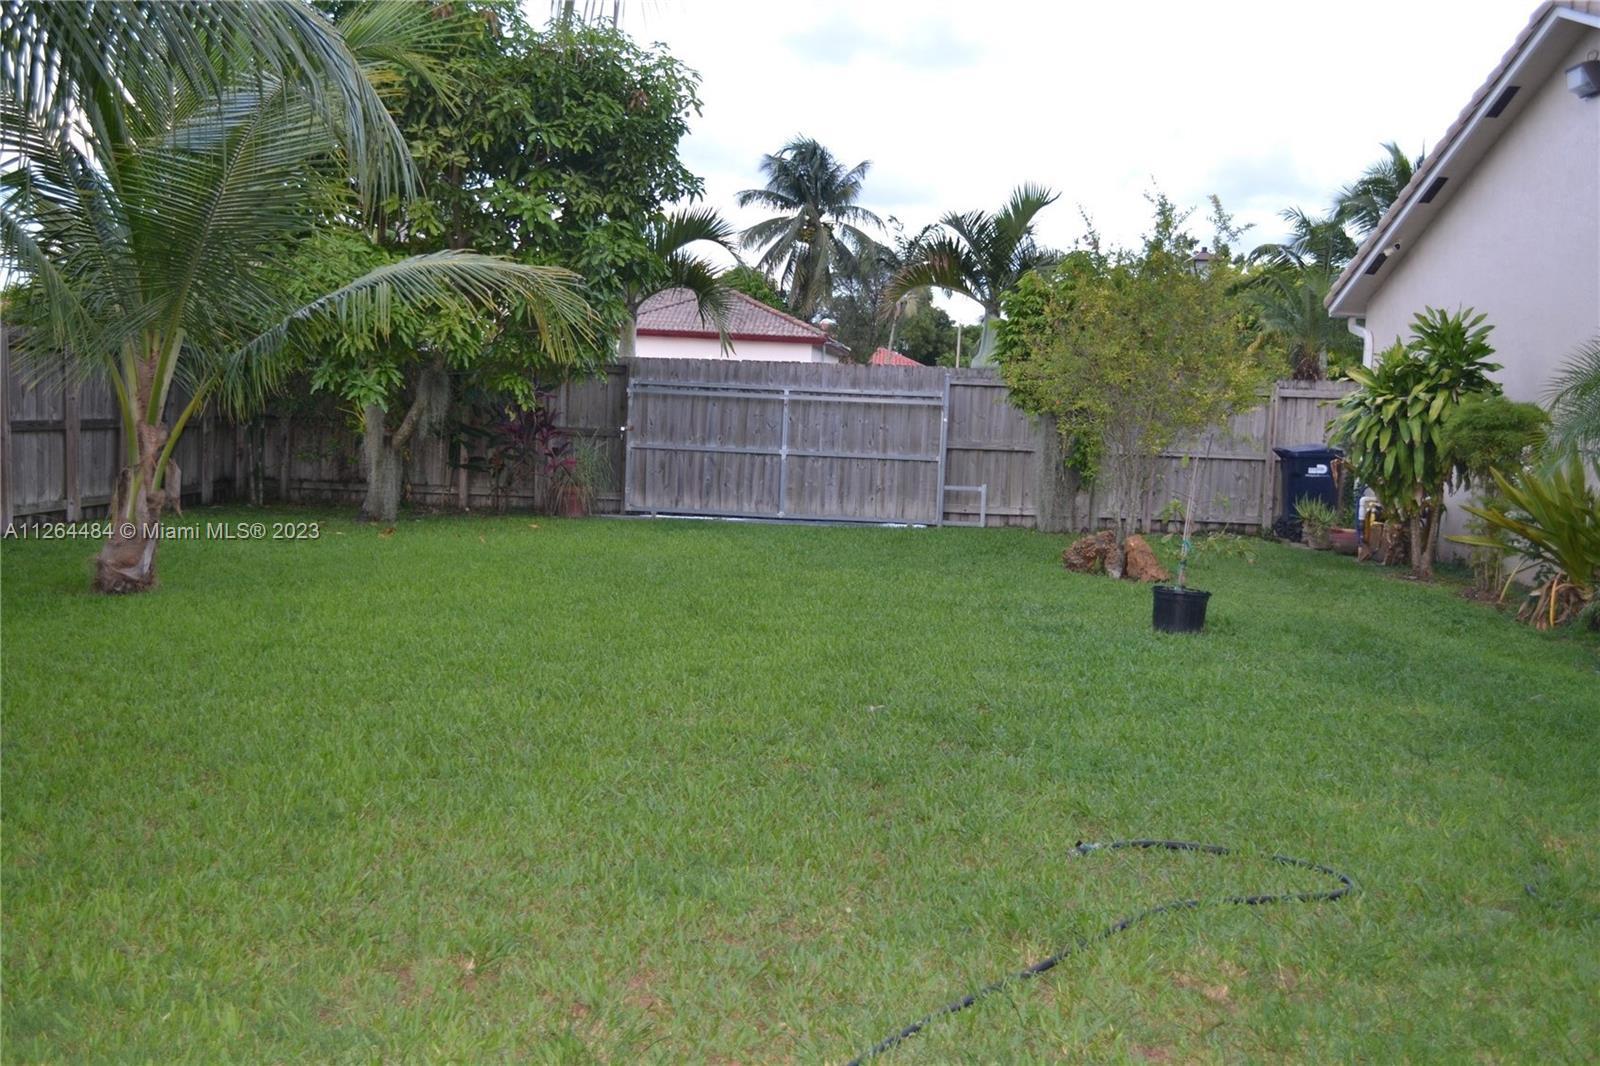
(1179, 610)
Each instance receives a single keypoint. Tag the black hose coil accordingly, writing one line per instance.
(1346, 886)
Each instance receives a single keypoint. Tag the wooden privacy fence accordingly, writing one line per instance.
(61, 445)
(835, 443)
(708, 437)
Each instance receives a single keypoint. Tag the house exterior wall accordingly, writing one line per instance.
(1519, 241)
(657, 347)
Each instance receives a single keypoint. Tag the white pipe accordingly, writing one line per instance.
(1358, 326)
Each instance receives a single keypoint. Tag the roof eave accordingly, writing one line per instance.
(1348, 298)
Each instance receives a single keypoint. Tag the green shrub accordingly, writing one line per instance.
(1552, 519)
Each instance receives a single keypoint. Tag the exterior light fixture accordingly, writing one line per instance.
(1200, 262)
(1583, 80)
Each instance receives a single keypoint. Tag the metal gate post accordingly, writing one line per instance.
(783, 460)
(627, 454)
(944, 441)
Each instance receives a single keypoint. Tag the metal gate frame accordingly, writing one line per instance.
(787, 395)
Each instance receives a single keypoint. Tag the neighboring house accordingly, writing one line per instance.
(1503, 215)
(670, 327)
(888, 357)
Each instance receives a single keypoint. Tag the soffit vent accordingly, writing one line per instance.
(1432, 190)
(1502, 101)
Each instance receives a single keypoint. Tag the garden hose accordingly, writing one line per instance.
(1346, 886)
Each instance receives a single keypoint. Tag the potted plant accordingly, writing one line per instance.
(579, 473)
(1177, 607)
(1316, 519)
(1342, 534)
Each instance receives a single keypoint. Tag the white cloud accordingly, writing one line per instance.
(1269, 104)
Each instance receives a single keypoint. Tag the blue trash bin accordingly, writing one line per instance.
(1307, 471)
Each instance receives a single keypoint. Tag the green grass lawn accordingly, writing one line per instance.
(532, 790)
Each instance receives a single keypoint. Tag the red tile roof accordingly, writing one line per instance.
(675, 312)
(887, 357)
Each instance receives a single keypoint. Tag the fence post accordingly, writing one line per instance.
(208, 472)
(1054, 483)
(71, 445)
(944, 450)
(5, 428)
(1269, 440)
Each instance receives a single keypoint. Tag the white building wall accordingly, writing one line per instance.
(1520, 242)
(653, 347)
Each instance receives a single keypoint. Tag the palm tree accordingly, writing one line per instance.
(1320, 244)
(1364, 202)
(162, 163)
(669, 238)
(817, 232)
(981, 256)
(1575, 400)
(1290, 314)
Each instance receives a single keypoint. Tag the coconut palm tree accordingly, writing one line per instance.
(817, 232)
(1364, 202)
(1290, 315)
(162, 162)
(670, 238)
(981, 256)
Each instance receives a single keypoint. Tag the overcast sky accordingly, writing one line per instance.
(1267, 104)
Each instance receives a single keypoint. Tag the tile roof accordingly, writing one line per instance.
(675, 311)
(888, 357)
(1423, 175)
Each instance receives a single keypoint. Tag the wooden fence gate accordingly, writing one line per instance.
(798, 440)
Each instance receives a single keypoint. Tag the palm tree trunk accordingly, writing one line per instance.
(127, 560)
(986, 342)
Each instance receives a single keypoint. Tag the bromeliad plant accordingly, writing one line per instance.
(163, 161)
(1393, 425)
(1552, 519)
(1316, 518)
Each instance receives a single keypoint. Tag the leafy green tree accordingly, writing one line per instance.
(981, 256)
(558, 145)
(1393, 426)
(670, 239)
(818, 231)
(1294, 323)
(1363, 203)
(554, 146)
(1487, 431)
(755, 284)
(1575, 400)
(164, 167)
(1130, 352)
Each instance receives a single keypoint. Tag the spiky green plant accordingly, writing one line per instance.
(1552, 519)
(1575, 400)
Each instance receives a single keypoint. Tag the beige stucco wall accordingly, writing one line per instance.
(649, 347)
(1519, 241)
